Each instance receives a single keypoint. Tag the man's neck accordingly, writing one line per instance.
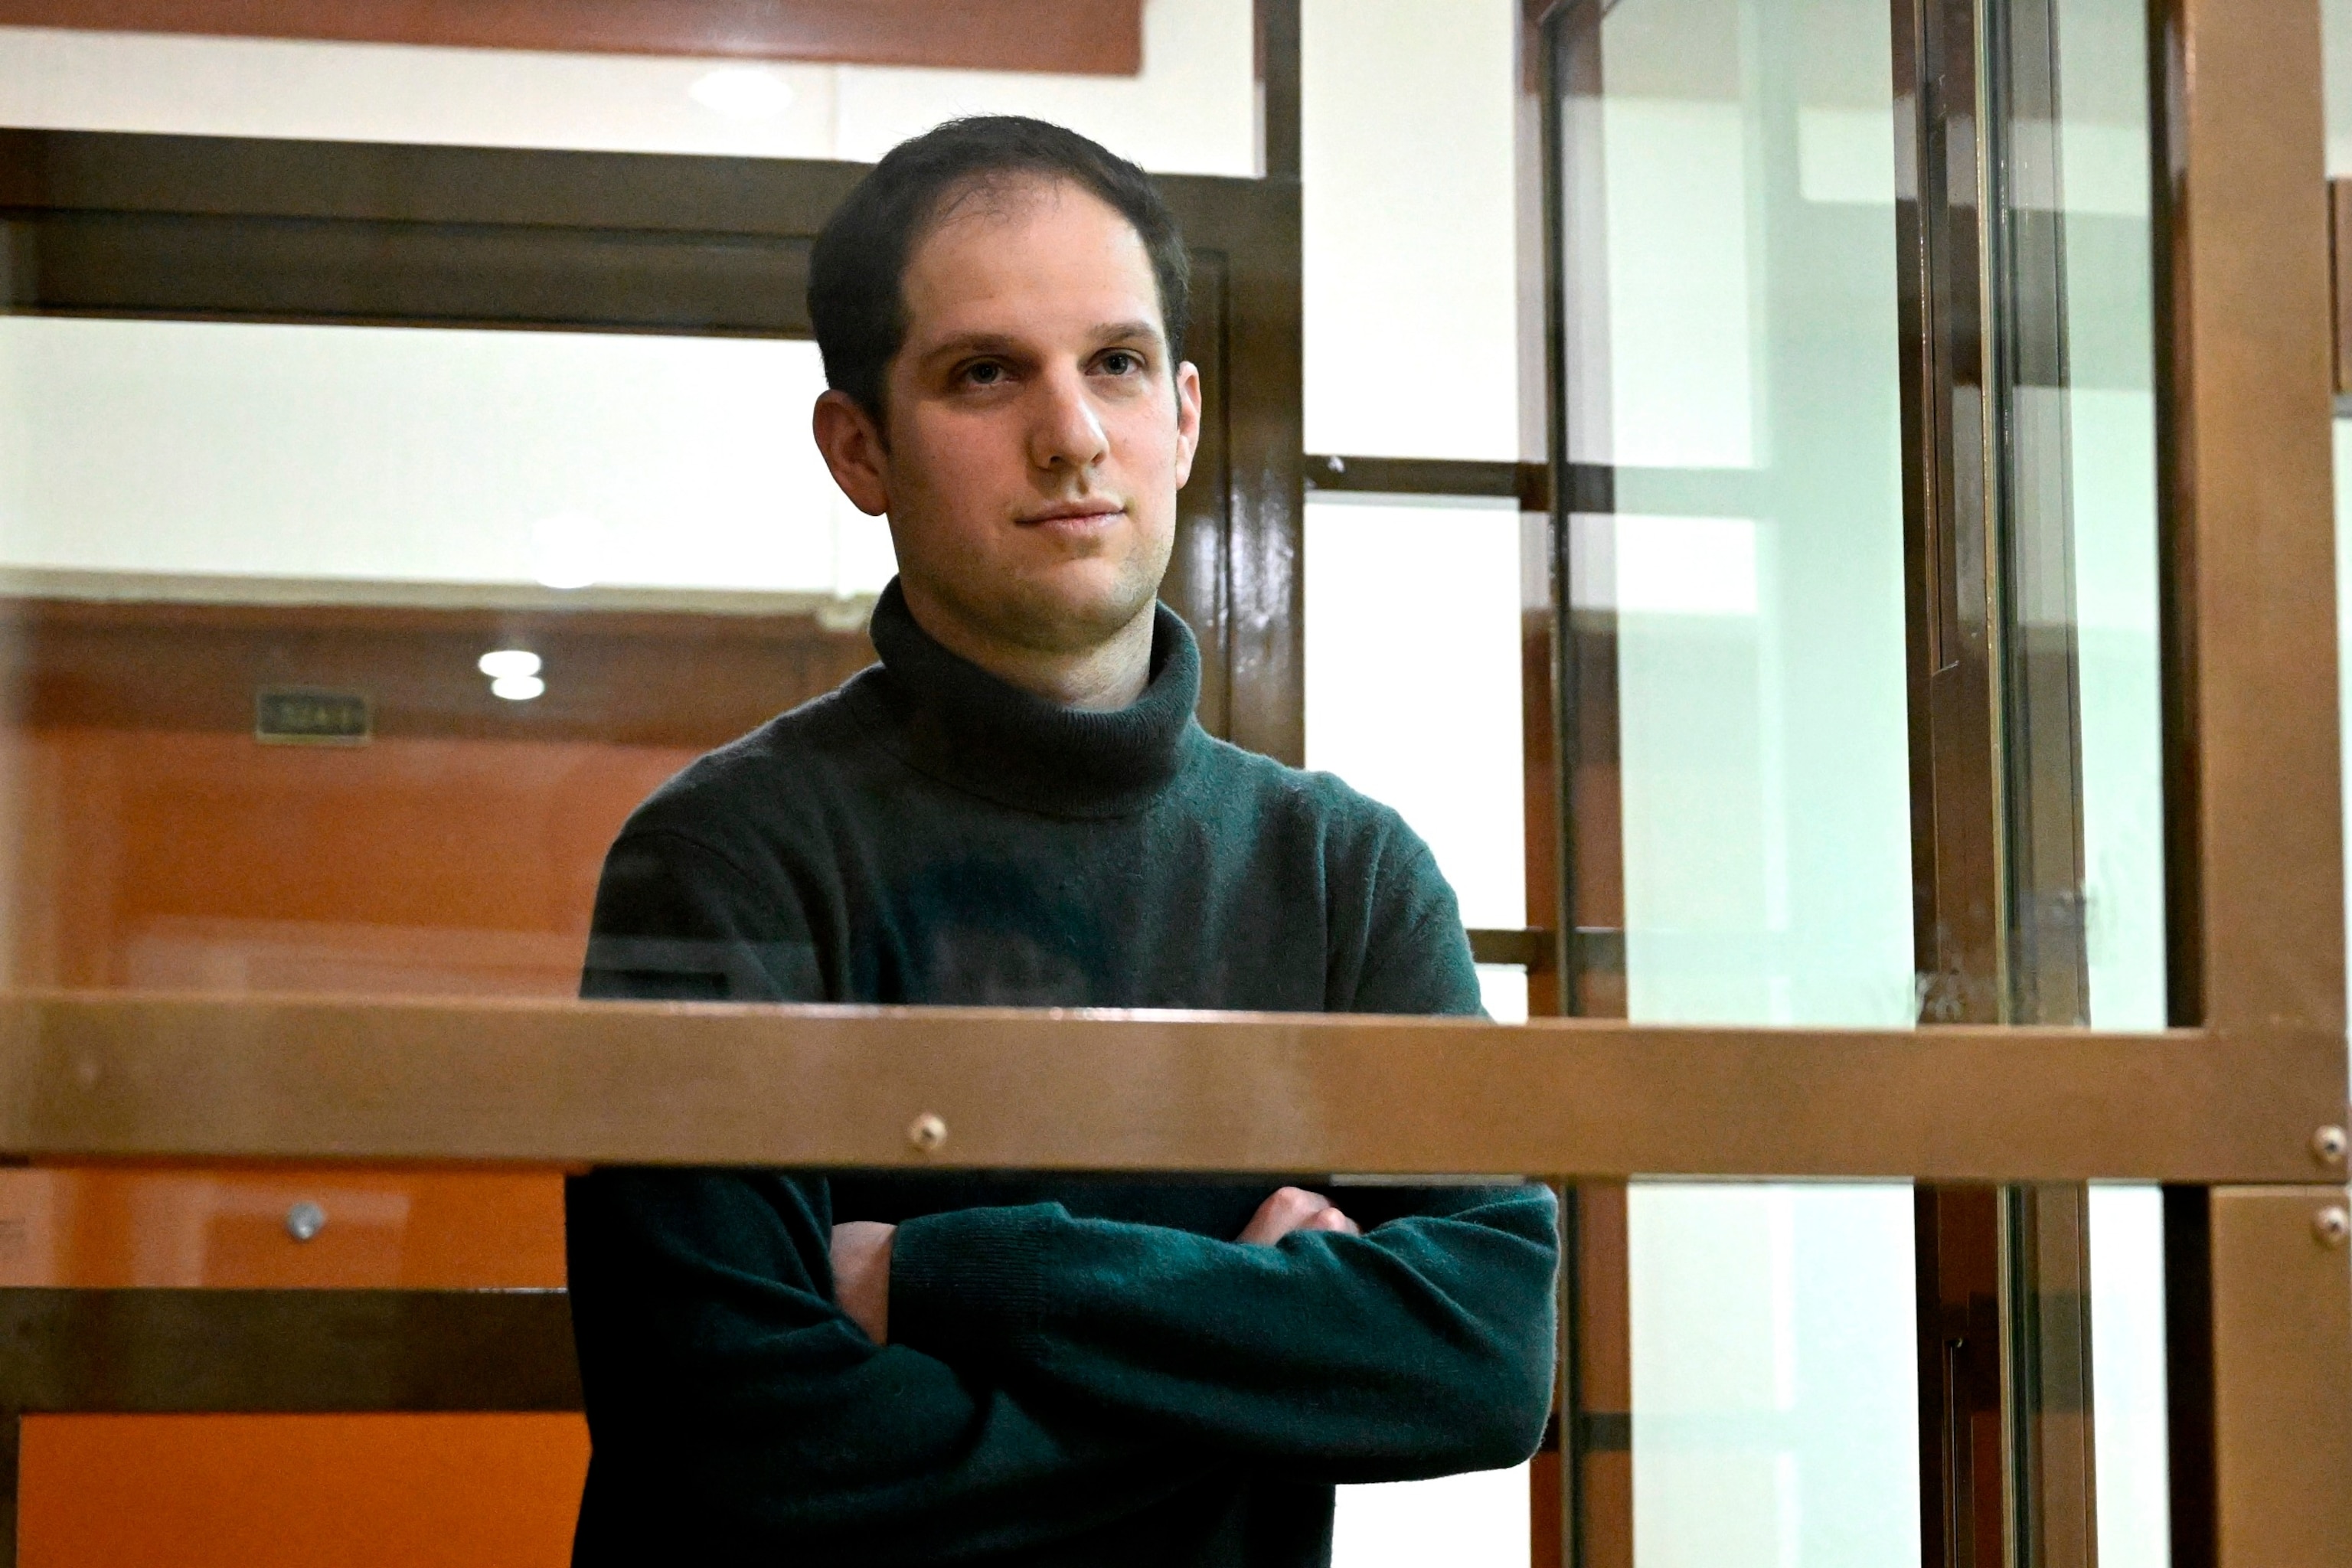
(1109, 675)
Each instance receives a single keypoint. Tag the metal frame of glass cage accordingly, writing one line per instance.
(2240, 1106)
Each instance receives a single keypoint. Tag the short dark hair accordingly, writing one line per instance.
(856, 300)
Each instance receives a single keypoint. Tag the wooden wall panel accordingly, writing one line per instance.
(150, 842)
(299, 1492)
(100, 1227)
(1102, 38)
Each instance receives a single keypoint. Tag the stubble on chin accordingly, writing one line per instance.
(1050, 613)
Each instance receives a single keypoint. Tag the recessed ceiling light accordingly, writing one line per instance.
(508, 663)
(743, 92)
(567, 551)
(517, 688)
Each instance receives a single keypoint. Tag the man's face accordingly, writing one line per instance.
(1037, 432)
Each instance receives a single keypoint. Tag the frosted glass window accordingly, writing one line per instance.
(1413, 695)
(1412, 678)
(429, 459)
(1737, 367)
(1775, 1416)
(1473, 1521)
(1409, 231)
(2127, 1376)
(1192, 110)
(2102, 190)
(2111, 436)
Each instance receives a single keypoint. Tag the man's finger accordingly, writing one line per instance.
(1330, 1218)
(1285, 1210)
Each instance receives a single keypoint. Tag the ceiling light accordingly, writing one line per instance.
(567, 551)
(743, 92)
(508, 663)
(517, 688)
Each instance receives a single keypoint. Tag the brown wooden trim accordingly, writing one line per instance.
(2189, 1376)
(1276, 45)
(108, 1076)
(1587, 881)
(226, 229)
(2282, 1353)
(1530, 950)
(1261, 595)
(619, 677)
(1097, 37)
(1591, 487)
(250, 1351)
(1963, 1428)
(1951, 633)
(2248, 520)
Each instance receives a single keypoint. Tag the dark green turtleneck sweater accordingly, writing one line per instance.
(1078, 1371)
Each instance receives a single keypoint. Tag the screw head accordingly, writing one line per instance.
(305, 1220)
(2328, 1146)
(2332, 1225)
(926, 1132)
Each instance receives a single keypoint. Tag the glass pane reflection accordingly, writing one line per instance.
(1412, 686)
(1731, 169)
(193, 515)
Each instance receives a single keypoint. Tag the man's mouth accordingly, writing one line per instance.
(1073, 514)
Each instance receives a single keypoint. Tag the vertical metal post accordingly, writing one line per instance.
(1596, 1425)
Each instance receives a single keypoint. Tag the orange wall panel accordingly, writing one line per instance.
(300, 1491)
(117, 1227)
(200, 861)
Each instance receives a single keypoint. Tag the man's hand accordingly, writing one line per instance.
(1289, 1209)
(861, 1275)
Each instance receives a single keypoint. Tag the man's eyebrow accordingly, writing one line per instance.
(971, 343)
(964, 344)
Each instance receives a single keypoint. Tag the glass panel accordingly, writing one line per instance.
(2103, 399)
(1733, 358)
(378, 462)
(2127, 1376)
(2102, 187)
(1478, 1520)
(1192, 110)
(1412, 677)
(1773, 1375)
(1413, 695)
(1410, 293)
(196, 516)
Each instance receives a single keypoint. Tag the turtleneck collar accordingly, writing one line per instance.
(948, 718)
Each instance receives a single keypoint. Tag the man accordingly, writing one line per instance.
(1016, 806)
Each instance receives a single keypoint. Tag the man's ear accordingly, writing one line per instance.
(1188, 420)
(853, 448)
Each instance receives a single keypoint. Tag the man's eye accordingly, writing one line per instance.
(985, 374)
(1120, 361)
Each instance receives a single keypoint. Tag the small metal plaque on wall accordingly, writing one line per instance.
(305, 716)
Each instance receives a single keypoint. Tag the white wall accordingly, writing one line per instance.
(1410, 254)
(413, 456)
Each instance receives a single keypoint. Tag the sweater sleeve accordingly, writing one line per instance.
(735, 1409)
(1420, 1348)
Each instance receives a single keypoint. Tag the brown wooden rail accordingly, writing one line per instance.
(94, 1076)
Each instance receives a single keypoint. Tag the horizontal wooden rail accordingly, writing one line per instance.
(92, 1076)
(131, 1352)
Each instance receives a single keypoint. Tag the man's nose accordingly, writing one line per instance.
(1065, 431)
